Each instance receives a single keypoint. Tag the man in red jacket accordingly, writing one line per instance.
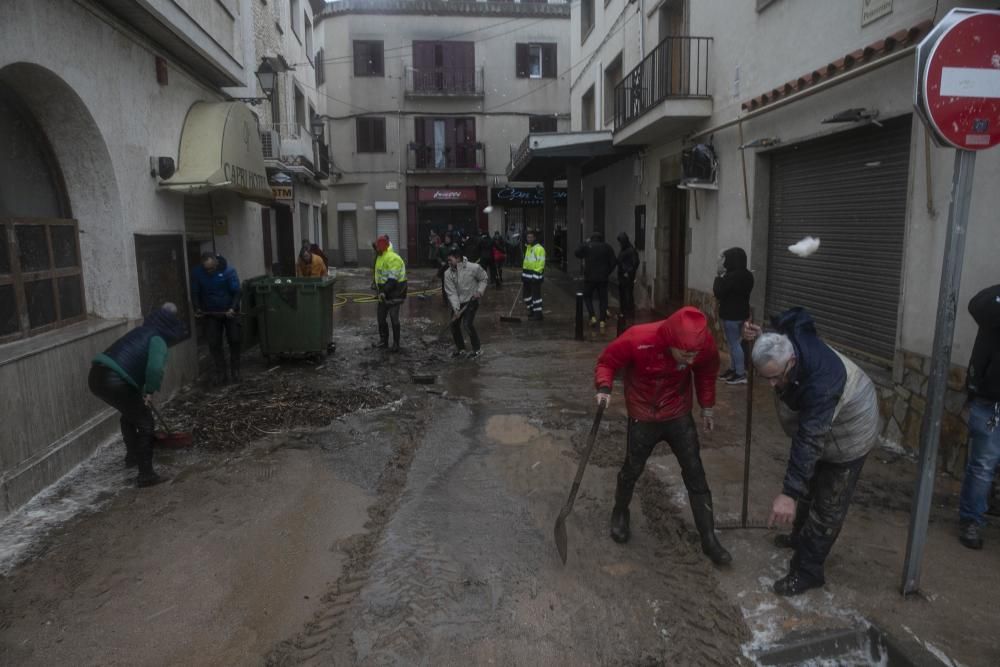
(661, 361)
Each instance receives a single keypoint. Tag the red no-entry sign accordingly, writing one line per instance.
(958, 80)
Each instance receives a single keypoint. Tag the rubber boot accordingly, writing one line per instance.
(704, 519)
(619, 515)
(234, 366)
(219, 360)
(383, 335)
(395, 338)
(129, 436)
(147, 476)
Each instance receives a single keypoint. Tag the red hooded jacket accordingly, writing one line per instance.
(656, 388)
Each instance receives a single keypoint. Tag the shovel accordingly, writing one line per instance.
(171, 439)
(560, 530)
(509, 319)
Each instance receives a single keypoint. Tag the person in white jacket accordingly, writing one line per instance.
(465, 283)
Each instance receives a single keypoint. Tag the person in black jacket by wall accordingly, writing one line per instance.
(983, 383)
(599, 261)
(628, 265)
(732, 289)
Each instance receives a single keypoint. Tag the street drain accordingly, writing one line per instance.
(861, 645)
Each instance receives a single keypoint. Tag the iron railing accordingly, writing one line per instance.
(468, 156)
(444, 81)
(676, 68)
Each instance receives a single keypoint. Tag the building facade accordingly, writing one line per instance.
(422, 123)
(807, 109)
(124, 158)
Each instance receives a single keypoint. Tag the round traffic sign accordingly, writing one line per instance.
(961, 83)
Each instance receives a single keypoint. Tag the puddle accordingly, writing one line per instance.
(511, 430)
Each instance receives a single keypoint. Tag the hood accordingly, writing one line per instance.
(623, 240)
(167, 325)
(735, 259)
(597, 237)
(793, 321)
(382, 244)
(686, 329)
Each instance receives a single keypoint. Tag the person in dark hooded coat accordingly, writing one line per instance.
(732, 289)
(628, 265)
(127, 374)
(599, 261)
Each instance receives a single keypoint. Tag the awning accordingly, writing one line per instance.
(545, 156)
(220, 150)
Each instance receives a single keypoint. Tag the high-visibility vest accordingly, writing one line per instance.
(389, 266)
(534, 260)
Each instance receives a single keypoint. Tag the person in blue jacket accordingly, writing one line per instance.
(215, 291)
(829, 408)
(127, 374)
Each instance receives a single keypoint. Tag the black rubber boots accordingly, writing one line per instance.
(704, 519)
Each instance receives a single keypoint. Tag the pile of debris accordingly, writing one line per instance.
(247, 412)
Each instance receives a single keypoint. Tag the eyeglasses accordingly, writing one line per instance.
(779, 375)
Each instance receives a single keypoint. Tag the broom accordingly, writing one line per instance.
(509, 319)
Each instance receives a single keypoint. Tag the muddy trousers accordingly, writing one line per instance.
(388, 311)
(820, 514)
(468, 319)
(217, 328)
(136, 418)
(601, 288)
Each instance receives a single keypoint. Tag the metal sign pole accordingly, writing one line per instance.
(944, 329)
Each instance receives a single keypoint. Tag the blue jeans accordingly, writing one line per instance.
(734, 336)
(984, 455)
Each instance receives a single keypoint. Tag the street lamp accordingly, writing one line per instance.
(267, 76)
(318, 126)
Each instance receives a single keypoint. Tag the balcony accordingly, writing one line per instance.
(444, 82)
(461, 158)
(666, 94)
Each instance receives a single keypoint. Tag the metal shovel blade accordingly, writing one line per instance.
(560, 529)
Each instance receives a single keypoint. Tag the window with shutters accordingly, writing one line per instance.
(368, 58)
(444, 67)
(536, 61)
(320, 68)
(371, 134)
(537, 124)
(445, 143)
(309, 36)
(612, 76)
(586, 19)
(293, 18)
(300, 110)
(587, 123)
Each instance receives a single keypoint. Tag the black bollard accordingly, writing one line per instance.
(579, 315)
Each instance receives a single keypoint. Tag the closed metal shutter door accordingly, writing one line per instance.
(387, 222)
(198, 218)
(349, 238)
(850, 191)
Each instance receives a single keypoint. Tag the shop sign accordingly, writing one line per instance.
(283, 192)
(511, 196)
(445, 195)
(873, 10)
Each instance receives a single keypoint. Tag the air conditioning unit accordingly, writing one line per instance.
(701, 168)
(270, 142)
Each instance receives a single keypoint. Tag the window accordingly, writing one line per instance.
(538, 124)
(161, 264)
(586, 19)
(309, 36)
(312, 114)
(276, 103)
(612, 76)
(300, 110)
(445, 143)
(368, 59)
(320, 68)
(293, 17)
(444, 67)
(41, 279)
(587, 111)
(536, 61)
(371, 134)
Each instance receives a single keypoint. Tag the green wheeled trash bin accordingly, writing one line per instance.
(294, 317)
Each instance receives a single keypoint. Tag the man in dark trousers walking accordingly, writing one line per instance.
(628, 265)
(665, 364)
(599, 261)
(127, 374)
(732, 289)
(983, 383)
(215, 288)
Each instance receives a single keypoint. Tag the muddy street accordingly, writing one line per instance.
(416, 528)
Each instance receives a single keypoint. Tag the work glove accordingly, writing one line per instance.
(603, 398)
(707, 418)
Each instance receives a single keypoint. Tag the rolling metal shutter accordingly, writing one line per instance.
(198, 218)
(387, 222)
(850, 191)
(349, 237)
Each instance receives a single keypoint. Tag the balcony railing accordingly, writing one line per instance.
(676, 68)
(444, 81)
(456, 157)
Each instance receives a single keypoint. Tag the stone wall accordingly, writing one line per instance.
(902, 404)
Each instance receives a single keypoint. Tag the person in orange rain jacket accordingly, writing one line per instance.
(310, 265)
(665, 363)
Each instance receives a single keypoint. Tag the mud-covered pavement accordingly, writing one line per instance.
(420, 531)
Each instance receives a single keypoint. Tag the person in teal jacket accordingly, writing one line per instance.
(127, 374)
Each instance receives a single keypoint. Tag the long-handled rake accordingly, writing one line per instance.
(509, 319)
(560, 530)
